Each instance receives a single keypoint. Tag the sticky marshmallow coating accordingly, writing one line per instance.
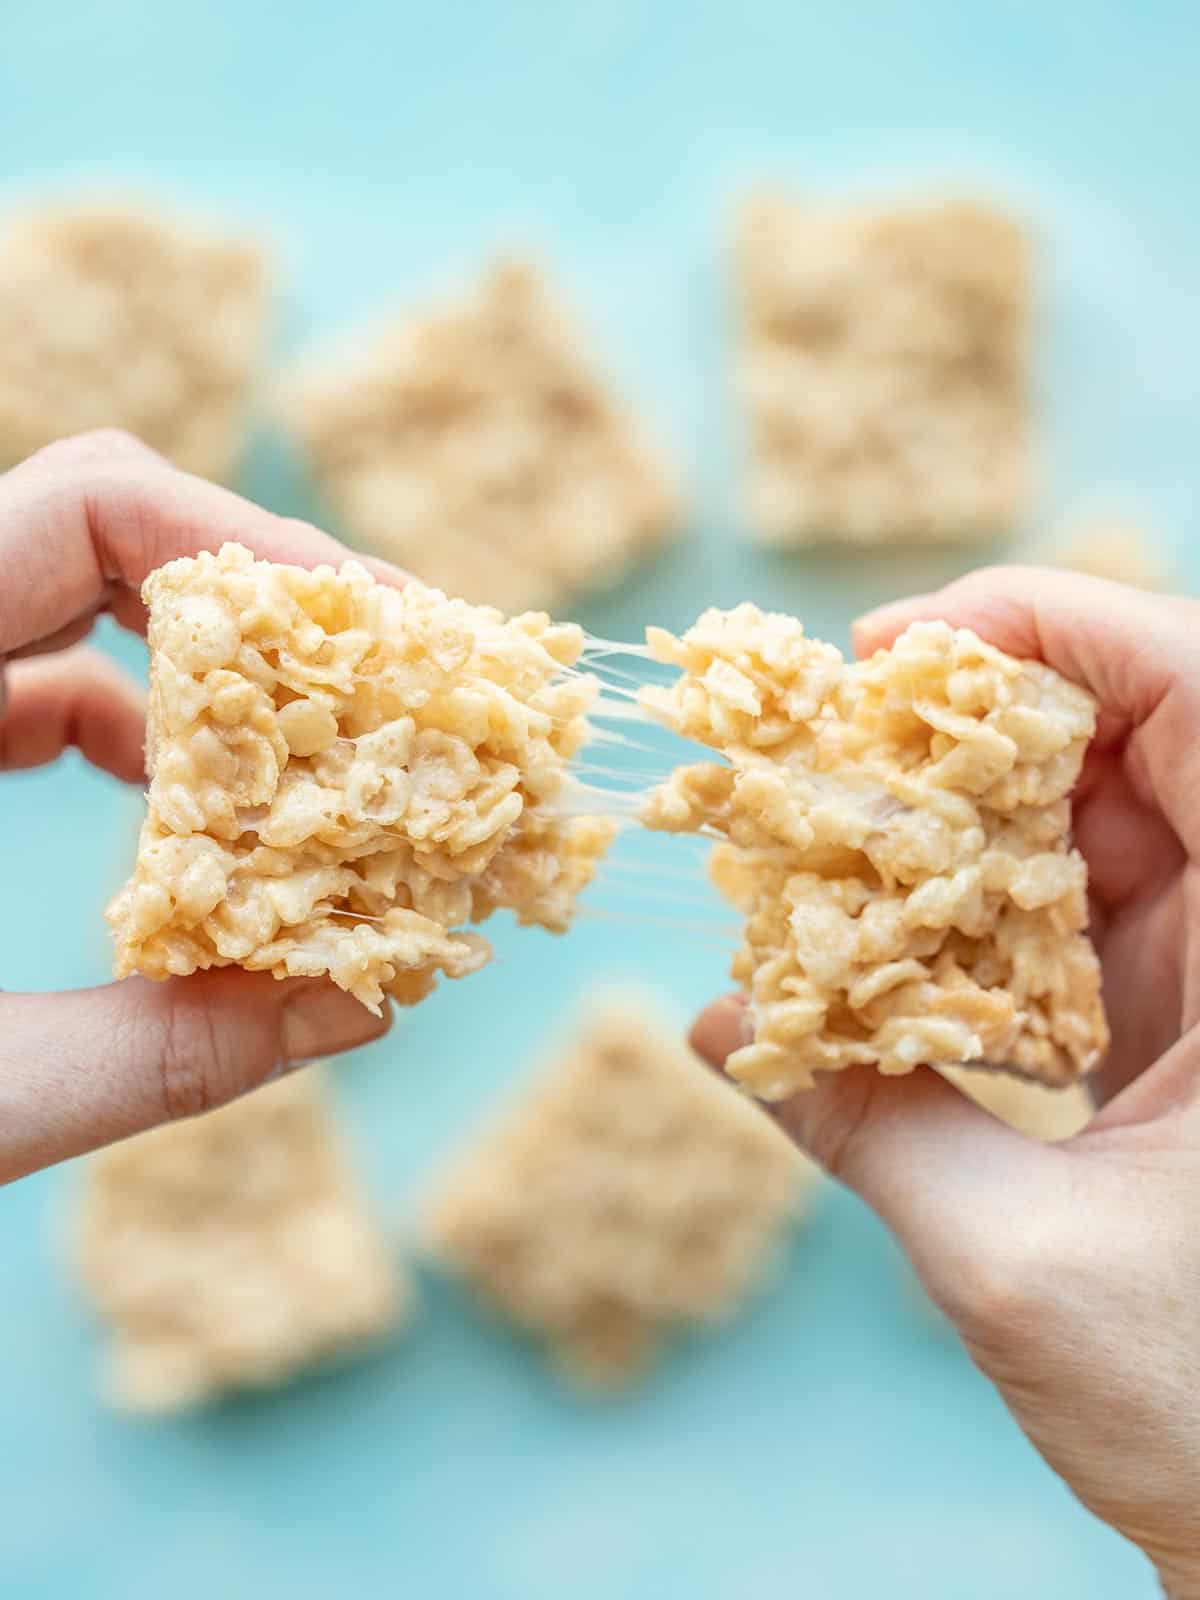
(114, 316)
(897, 834)
(344, 774)
(882, 360)
(231, 1251)
(476, 445)
(625, 1194)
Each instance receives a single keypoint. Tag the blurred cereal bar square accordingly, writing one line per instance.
(111, 316)
(476, 446)
(232, 1250)
(1113, 549)
(883, 357)
(625, 1194)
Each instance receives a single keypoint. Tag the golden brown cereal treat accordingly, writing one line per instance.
(475, 446)
(115, 317)
(897, 833)
(883, 368)
(626, 1194)
(232, 1250)
(1033, 1109)
(344, 774)
(1114, 550)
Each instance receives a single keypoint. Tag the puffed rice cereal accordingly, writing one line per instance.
(344, 774)
(897, 834)
(232, 1251)
(111, 316)
(476, 446)
(625, 1194)
(883, 367)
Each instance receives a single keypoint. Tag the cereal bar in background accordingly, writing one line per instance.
(476, 446)
(883, 366)
(232, 1251)
(626, 1194)
(115, 316)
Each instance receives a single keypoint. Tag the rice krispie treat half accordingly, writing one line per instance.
(112, 316)
(882, 364)
(232, 1251)
(344, 774)
(627, 1194)
(475, 446)
(897, 833)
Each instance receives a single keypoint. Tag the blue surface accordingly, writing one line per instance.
(834, 1443)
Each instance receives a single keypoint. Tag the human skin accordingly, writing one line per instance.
(1072, 1271)
(81, 524)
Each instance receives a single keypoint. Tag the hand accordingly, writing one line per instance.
(1072, 1271)
(81, 525)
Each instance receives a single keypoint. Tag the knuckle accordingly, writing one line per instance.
(198, 1060)
(834, 1119)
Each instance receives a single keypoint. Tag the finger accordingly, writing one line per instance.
(79, 1070)
(78, 698)
(940, 1171)
(84, 521)
(1138, 653)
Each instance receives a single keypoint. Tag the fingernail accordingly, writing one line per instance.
(322, 1019)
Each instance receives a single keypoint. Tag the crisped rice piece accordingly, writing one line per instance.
(1034, 1109)
(882, 362)
(897, 833)
(1113, 550)
(232, 1251)
(111, 316)
(343, 774)
(476, 446)
(627, 1194)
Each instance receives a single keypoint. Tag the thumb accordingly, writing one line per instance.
(938, 1170)
(81, 1069)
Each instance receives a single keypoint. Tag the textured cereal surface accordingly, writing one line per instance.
(476, 446)
(112, 316)
(344, 774)
(1114, 550)
(896, 833)
(231, 1251)
(882, 364)
(627, 1194)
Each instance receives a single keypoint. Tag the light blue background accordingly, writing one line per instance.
(835, 1443)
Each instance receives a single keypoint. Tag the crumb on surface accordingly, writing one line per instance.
(475, 445)
(882, 365)
(114, 316)
(344, 774)
(896, 833)
(232, 1251)
(625, 1194)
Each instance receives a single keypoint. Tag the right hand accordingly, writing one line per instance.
(1071, 1270)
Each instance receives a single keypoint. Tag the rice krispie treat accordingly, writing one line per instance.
(883, 368)
(897, 833)
(232, 1250)
(343, 774)
(112, 316)
(476, 446)
(628, 1193)
(1114, 550)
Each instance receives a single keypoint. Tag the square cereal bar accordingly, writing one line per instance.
(624, 1195)
(112, 316)
(344, 774)
(896, 833)
(232, 1250)
(882, 363)
(476, 446)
